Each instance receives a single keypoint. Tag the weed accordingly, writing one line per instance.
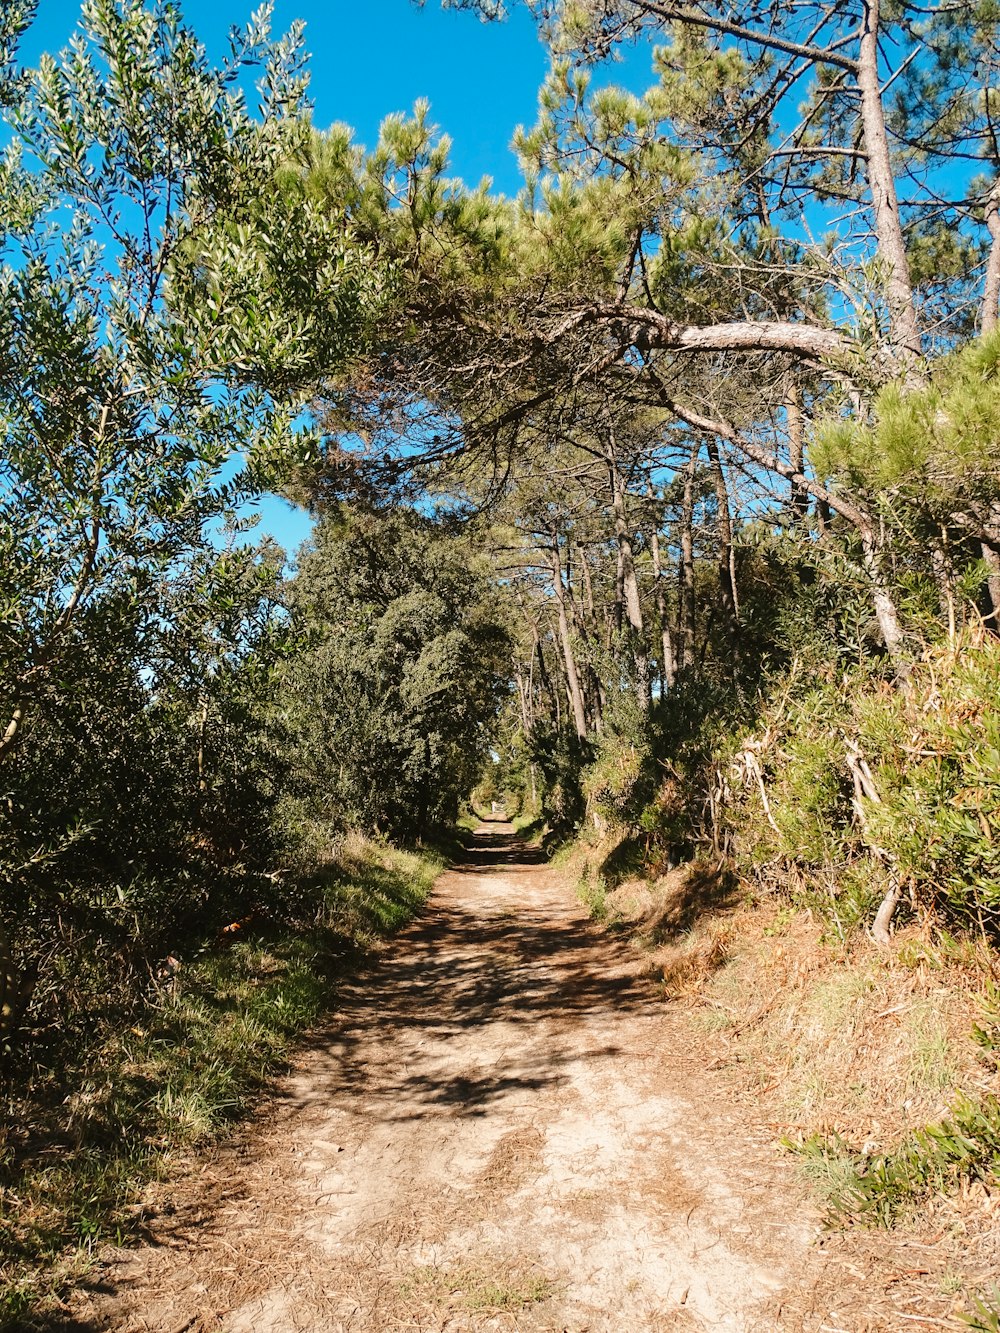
(986, 1034)
(479, 1289)
(711, 1020)
(931, 1065)
(826, 1161)
(592, 890)
(779, 923)
(508, 1294)
(985, 1316)
(965, 1146)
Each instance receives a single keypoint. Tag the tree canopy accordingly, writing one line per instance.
(602, 473)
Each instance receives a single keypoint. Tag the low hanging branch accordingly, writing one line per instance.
(650, 329)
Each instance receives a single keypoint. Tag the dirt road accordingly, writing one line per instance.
(503, 1126)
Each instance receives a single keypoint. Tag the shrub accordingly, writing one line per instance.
(850, 783)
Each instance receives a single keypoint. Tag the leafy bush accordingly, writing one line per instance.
(851, 783)
(394, 698)
(619, 782)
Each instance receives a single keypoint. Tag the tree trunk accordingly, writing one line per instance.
(523, 688)
(885, 608)
(799, 498)
(544, 675)
(629, 582)
(579, 619)
(904, 331)
(726, 560)
(944, 578)
(686, 595)
(619, 615)
(590, 618)
(991, 287)
(668, 663)
(992, 560)
(588, 588)
(573, 689)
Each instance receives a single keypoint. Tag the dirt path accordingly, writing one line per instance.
(503, 1126)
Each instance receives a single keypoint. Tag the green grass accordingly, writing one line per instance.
(511, 1293)
(876, 1190)
(592, 890)
(932, 1064)
(530, 827)
(985, 1316)
(192, 1062)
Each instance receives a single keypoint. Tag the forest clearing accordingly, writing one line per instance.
(628, 463)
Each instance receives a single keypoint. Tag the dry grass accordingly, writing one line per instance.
(837, 1039)
(826, 1039)
(516, 1156)
(850, 1043)
(491, 1286)
(844, 1040)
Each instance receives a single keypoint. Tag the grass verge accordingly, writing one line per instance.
(85, 1142)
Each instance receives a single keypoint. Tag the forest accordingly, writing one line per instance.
(659, 502)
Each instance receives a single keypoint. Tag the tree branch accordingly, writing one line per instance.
(821, 55)
(740, 336)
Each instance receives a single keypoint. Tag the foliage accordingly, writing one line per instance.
(134, 655)
(985, 1318)
(139, 804)
(964, 1146)
(622, 776)
(732, 580)
(925, 816)
(119, 415)
(931, 448)
(396, 696)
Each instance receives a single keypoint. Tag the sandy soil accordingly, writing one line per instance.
(502, 1126)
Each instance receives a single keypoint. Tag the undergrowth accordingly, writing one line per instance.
(876, 1190)
(530, 827)
(210, 1036)
(592, 890)
(948, 1154)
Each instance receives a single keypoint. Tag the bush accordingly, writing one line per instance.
(850, 783)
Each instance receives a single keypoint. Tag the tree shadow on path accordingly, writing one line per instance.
(543, 976)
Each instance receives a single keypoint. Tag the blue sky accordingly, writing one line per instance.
(374, 58)
(369, 60)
